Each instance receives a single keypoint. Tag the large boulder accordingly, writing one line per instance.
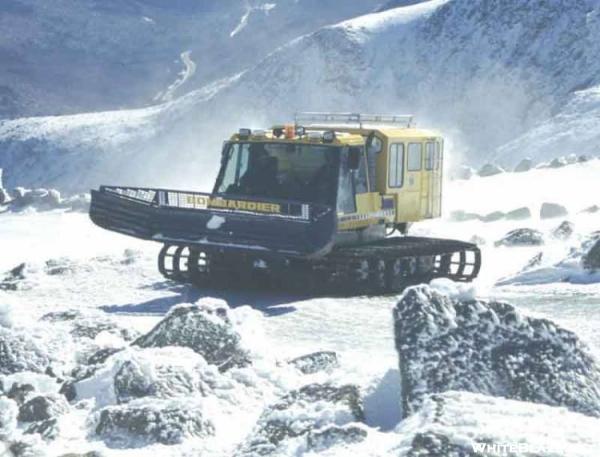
(489, 348)
(143, 422)
(161, 373)
(552, 210)
(206, 331)
(317, 415)
(521, 237)
(462, 424)
(43, 407)
(524, 165)
(19, 352)
(490, 169)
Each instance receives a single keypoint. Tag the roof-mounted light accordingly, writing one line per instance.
(300, 130)
(328, 136)
(259, 133)
(244, 133)
(278, 131)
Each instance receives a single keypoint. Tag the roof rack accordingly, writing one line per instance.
(403, 120)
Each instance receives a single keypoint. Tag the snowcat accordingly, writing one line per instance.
(320, 205)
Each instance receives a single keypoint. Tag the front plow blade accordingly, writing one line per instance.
(215, 223)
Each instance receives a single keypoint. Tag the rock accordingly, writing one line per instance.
(88, 325)
(13, 279)
(462, 216)
(489, 348)
(62, 266)
(141, 423)
(518, 214)
(42, 407)
(86, 454)
(564, 231)
(583, 158)
(493, 217)
(462, 424)
(19, 352)
(159, 373)
(315, 410)
(321, 440)
(535, 261)
(8, 418)
(20, 392)
(316, 362)
(522, 237)
(101, 355)
(551, 210)
(26, 447)
(490, 169)
(47, 429)
(202, 330)
(591, 209)
(591, 260)
(524, 165)
(558, 163)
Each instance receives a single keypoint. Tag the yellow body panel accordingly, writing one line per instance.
(419, 195)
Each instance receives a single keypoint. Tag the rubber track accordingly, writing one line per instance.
(386, 266)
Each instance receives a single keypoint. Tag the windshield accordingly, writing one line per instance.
(302, 172)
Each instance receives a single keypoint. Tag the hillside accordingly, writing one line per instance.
(501, 81)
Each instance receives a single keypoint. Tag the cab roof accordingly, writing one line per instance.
(267, 136)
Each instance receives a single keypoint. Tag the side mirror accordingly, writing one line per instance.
(354, 158)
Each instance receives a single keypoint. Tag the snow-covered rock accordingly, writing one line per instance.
(87, 324)
(318, 415)
(490, 169)
(591, 209)
(162, 374)
(489, 348)
(591, 260)
(524, 165)
(20, 392)
(564, 231)
(8, 418)
(552, 210)
(316, 362)
(575, 268)
(522, 237)
(20, 352)
(42, 407)
(518, 214)
(144, 422)
(462, 424)
(13, 278)
(463, 216)
(205, 331)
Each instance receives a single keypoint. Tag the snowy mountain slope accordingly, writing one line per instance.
(73, 56)
(485, 74)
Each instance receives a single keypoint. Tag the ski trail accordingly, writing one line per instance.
(183, 76)
(249, 10)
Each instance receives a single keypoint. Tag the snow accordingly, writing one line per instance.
(215, 222)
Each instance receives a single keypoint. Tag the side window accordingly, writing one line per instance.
(396, 165)
(373, 151)
(438, 155)
(346, 203)
(430, 156)
(360, 177)
(415, 156)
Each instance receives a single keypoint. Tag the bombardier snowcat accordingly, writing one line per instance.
(322, 205)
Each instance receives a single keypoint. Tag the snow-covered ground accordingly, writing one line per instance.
(73, 265)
